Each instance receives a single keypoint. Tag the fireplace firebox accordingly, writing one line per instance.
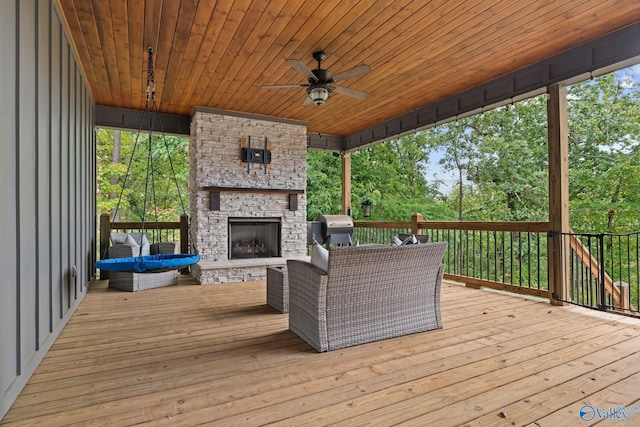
(254, 237)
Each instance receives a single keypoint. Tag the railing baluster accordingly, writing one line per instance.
(495, 256)
(480, 254)
(538, 259)
(637, 286)
(528, 259)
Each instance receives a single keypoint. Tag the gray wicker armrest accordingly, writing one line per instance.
(162, 248)
(121, 251)
(307, 303)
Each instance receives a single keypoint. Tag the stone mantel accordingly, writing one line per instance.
(214, 202)
(252, 190)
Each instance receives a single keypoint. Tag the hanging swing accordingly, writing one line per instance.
(159, 262)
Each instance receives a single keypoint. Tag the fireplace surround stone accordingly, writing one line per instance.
(215, 162)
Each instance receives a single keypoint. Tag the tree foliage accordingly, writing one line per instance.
(390, 175)
(604, 154)
(501, 156)
(500, 159)
(156, 184)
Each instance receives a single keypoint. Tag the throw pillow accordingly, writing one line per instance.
(395, 241)
(146, 247)
(411, 240)
(420, 238)
(130, 241)
(119, 238)
(142, 241)
(320, 257)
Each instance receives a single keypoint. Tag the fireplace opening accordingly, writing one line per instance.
(254, 237)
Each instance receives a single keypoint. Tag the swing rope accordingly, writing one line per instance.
(155, 262)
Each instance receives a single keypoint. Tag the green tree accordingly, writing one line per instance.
(500, 158)
(457, 143)
(110, 173)
(604, 154)
(324, 184)
(150, 192)
(391, 175)
(511, 173)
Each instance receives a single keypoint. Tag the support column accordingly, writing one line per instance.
(346, 182)
(558, 146)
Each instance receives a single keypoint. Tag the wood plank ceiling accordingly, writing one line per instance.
(218, 53)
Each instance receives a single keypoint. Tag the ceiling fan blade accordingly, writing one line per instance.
(282, 86)
(360, 94)
(357, 71)
(302, 68)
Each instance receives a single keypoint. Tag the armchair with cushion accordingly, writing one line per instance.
(367, 293)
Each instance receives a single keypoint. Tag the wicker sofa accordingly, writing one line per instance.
(368, 293)
(133, 282)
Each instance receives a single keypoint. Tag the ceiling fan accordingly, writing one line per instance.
(321, 81)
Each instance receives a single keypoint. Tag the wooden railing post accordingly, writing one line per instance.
(184, 234)
(558, 147)
(622, 291)
(416, 218)
(105, 220)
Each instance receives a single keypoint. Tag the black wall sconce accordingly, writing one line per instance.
(366, 208)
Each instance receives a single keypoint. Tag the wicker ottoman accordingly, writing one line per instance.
(278, 288)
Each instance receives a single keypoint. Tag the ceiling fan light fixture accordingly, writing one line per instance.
(321, 81)
(319, 95)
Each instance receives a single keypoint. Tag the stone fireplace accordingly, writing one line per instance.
(247, 194)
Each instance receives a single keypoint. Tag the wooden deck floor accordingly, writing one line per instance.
(218, 355)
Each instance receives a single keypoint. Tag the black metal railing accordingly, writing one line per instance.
(377, 235)
(603, 270)
(517, 258)
(511, 256)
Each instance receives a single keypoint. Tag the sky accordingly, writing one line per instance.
(435, 173)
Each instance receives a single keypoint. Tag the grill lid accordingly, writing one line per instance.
(336, 224)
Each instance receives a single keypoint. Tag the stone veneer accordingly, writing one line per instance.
(214, 151)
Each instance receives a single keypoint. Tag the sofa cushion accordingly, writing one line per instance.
(135, 240)
(409, 239)
(142, 240)
(421, 238)
(320, 257)
(118, 238)
(131, 242)
(399, 241)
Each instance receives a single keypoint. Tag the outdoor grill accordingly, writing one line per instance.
(331, 229)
